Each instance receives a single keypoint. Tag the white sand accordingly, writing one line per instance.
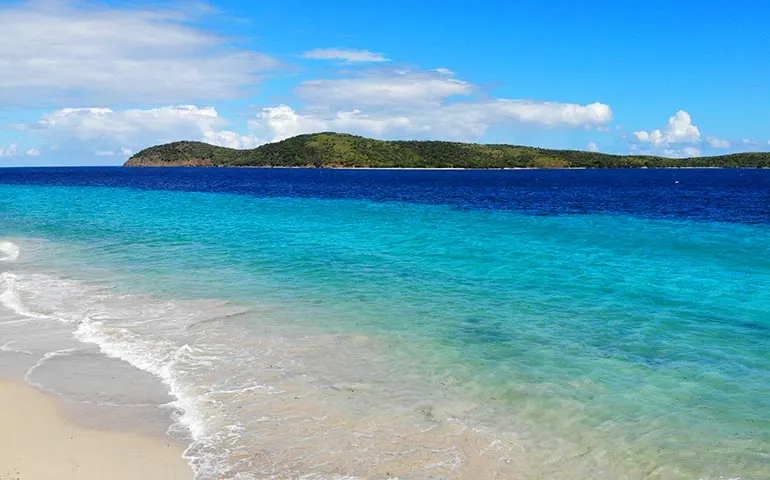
(37, 442)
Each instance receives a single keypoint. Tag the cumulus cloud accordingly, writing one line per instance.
(592, 147)
(717, 142)
(11, 151)
(112, 132)
(431, 103)
(64, 53)
(123, 152)
(680, 129)
(383, 103)
(227, 138)
(128, 126)
(461, 122)
(282, 121)
(681, 138)
(691, 151)
(395, 88)
(684, 152)
(545, 114)
(345, 55)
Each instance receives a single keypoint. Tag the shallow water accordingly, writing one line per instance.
(337, 324)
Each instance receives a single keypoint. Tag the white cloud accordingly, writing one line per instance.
(685, 152)
(431, 103)
(123, 152)
(346, 55)
(11, 151)
(546, 114)
(131, 125)
(680, 129)
(32, 152)
(718, 142)
(691, 151)
(113, 132)
(65, 52)
(464, 121)
(395, 88)
(383, 103)
(226, 138)
(282, 121)
(592, 147)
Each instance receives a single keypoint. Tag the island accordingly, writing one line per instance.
(338, 150)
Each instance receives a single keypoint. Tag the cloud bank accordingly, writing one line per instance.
(59, 53)
(383, 103)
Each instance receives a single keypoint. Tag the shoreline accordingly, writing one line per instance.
(39, 442)
(420, 168)
(308, 167)
(336, 149)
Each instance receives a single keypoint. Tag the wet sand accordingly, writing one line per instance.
(38, 442)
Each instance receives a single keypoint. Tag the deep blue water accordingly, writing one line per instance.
(719, 195)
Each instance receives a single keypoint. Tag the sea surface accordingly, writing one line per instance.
(345, 324)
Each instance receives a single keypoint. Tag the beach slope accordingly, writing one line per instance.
(37, 442)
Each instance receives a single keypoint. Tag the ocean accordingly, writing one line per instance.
(345, 324)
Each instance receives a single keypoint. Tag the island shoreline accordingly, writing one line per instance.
(339, 150)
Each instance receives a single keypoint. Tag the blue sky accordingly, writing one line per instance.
(91, 83)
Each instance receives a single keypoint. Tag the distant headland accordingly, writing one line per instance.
(338, 150)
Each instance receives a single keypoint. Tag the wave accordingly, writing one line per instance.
(76, 304)
(158, 358)
(9, 251)
(6, 347)
(9, 297)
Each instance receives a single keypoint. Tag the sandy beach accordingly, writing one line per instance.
(37, 442)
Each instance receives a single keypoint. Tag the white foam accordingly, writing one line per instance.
(40, 362)
(9, 251)
(6, 347)
(171, 363)
(158, 357)
(9, 296)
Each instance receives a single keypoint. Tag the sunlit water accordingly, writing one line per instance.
(413, 325)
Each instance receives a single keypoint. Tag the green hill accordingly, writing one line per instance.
(330, 150)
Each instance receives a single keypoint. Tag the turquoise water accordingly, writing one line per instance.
(478, 343)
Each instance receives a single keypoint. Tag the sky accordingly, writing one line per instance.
(91, 83)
